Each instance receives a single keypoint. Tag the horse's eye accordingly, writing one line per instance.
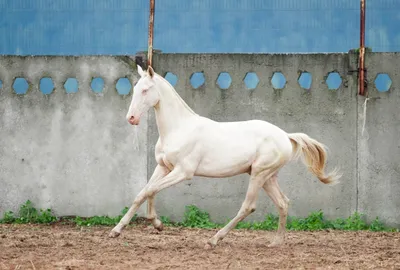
(144, 91)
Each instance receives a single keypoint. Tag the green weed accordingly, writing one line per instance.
(101, 220)
(167, 221)
(29, 214)
(195, 217)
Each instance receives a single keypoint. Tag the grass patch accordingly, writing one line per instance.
(28, 214)
(194, 217)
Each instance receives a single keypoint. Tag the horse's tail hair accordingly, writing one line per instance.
(314, 157)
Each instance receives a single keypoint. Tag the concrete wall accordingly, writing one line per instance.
(71, 152)
(379, 144)
(74, 152)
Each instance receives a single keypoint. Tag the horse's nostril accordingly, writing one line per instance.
(131, 119)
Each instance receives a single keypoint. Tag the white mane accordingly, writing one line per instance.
(174, 91)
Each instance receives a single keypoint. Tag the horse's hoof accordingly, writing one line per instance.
(114, 234)
(275, 243)
(212, 243)
(159, 226)
(208, 246)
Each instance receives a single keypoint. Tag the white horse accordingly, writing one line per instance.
(191, 145)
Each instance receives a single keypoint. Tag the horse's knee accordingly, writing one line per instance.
(247, 210)
(283, 206)
(150, 192)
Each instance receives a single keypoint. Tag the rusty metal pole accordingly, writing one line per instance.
(361, 66)
(151, 33)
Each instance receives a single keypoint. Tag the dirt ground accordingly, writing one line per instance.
(141, 247)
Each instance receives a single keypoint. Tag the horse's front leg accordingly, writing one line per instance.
(150, 190)
(158, 174)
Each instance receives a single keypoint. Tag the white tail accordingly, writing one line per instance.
(315, 155)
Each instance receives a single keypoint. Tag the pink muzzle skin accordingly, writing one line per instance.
(133, 121)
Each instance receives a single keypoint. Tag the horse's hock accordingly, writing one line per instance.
(65, 142)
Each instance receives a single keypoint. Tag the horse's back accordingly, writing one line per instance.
(255, 127)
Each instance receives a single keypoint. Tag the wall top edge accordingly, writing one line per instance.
(183, 54)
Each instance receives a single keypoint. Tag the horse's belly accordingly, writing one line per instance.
(225, 164)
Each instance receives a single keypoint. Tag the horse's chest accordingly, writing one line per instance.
(163, 161)
(167, 156)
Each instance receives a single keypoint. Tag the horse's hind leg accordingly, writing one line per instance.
(271, 187)
(248, 206)
(152, 214)
(158, 174)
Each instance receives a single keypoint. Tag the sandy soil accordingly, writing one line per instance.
(141, 247)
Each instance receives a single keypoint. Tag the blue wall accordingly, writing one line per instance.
(77, 27)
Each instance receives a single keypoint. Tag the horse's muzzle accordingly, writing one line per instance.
(133, 121)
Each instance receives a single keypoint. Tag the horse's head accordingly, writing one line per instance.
(145, 95)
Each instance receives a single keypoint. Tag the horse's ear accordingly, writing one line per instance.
(140, 71)
(150, 70)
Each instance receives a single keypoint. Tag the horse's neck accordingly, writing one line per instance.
(171, 110)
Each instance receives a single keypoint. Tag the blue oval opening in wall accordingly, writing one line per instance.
(97, 85)
(71, 85)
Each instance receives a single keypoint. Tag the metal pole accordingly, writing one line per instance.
(362, 49)
(151, 32)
